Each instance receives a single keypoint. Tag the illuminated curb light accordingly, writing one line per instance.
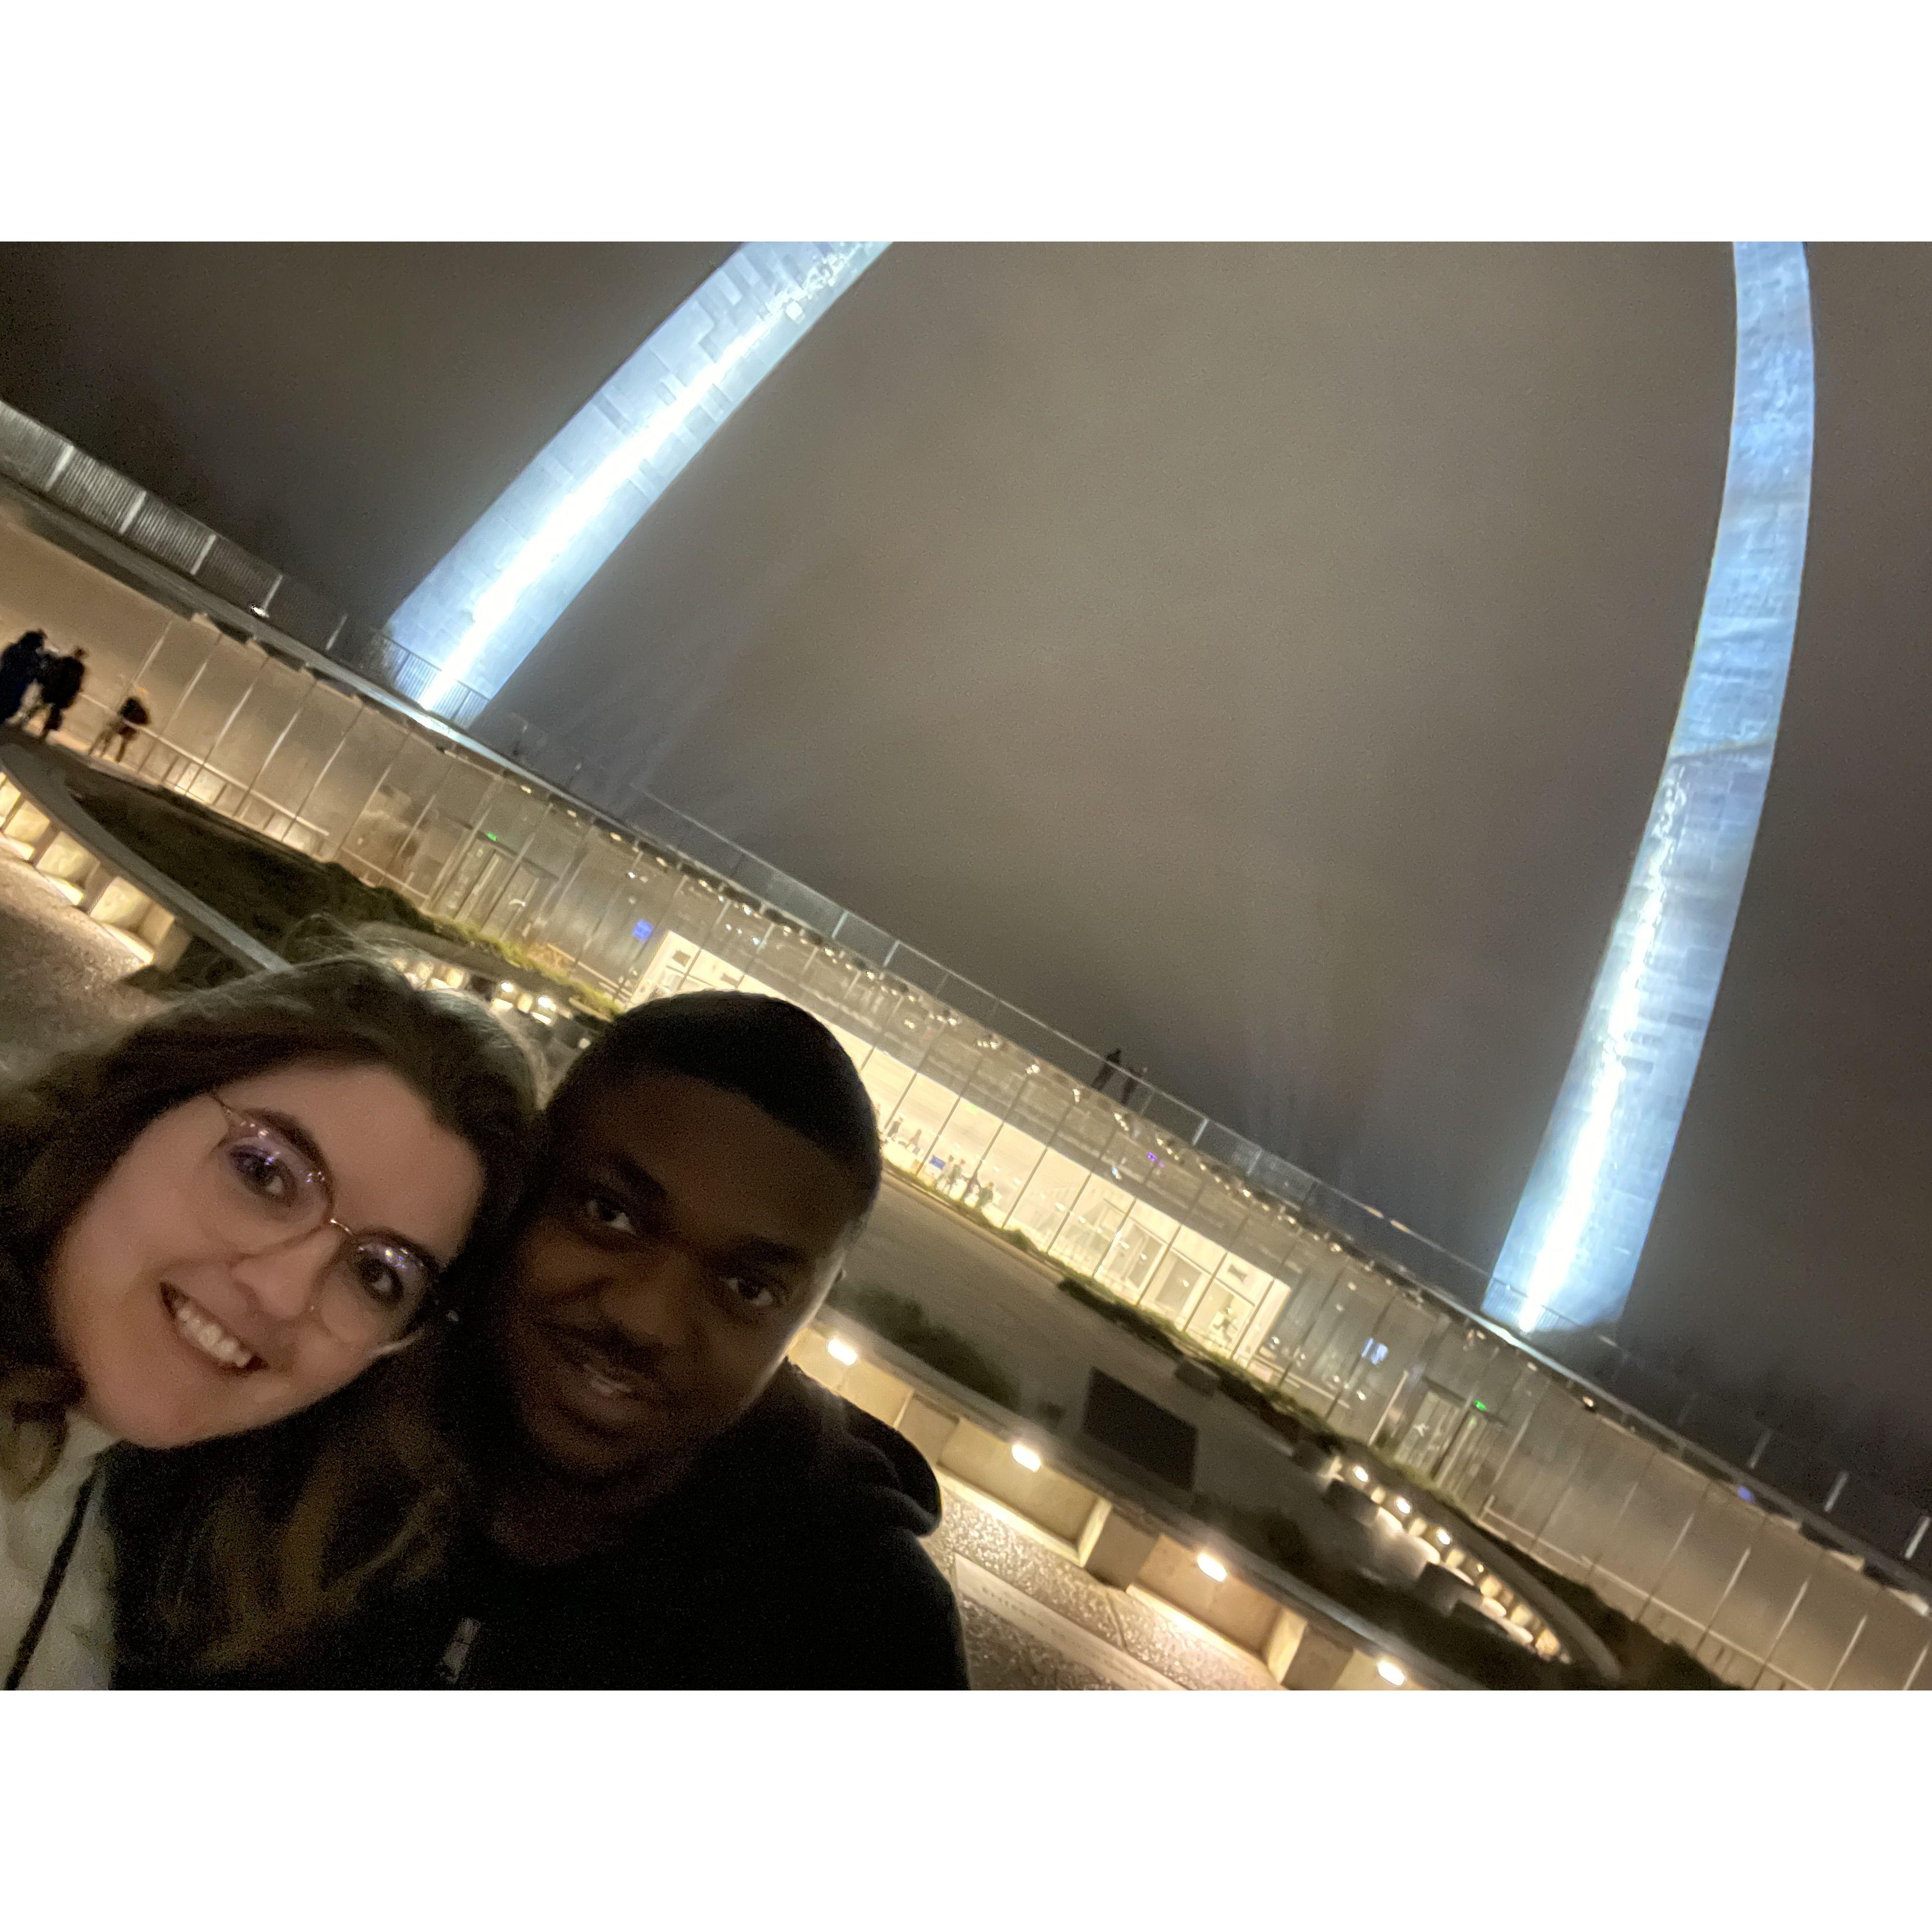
(487, 605)
(1027, 1458)
(1391, 1673)
(1573, 1248)
(841, 1351)
(1212, 1567)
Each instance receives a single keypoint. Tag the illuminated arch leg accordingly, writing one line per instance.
(1573, 1248)
(487, 605)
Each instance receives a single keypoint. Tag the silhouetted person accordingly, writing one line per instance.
(1109, 1067)
(119, 730)
(60, 684)
(21, 664)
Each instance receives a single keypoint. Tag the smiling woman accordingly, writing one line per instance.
(216, 1222)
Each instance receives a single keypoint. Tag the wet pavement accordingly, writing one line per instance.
(60, 974)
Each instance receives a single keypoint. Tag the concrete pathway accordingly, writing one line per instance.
(59, 972)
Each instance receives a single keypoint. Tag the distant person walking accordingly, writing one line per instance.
(60, 685)
(120, 729)
(21, 664)
(1109, 1067)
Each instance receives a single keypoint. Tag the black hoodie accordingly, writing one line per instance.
(790, 1559)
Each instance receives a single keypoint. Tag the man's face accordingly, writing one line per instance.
(684, 1238)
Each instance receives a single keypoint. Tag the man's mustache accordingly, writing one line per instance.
(634, 1360)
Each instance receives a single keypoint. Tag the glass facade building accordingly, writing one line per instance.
(1573, 1248)
(486, 606)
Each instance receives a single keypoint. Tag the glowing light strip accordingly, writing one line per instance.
(481, 611)
(1573, 1248)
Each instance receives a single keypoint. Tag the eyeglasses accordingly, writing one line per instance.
(261, 1189)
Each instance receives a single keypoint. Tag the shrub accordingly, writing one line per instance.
(900, 1320)
(267, 890)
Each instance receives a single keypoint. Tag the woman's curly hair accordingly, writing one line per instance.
(226, 1548)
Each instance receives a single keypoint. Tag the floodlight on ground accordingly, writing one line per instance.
(1212, 1567)
(841, 1351)
(1026, 1457)
(1391, 1673)
(1360, 1474)
(1403, 1505)
(1442, 1537)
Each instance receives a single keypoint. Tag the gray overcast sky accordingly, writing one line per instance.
(1258, 657)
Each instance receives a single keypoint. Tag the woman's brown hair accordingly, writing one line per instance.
(227, 1549)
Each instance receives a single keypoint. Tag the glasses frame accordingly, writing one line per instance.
(239, 1121)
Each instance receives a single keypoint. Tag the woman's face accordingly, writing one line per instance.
(189, 1311)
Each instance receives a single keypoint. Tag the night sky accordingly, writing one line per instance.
(1258, 657)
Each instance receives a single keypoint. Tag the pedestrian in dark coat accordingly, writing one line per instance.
(60, 684)
(21, 664)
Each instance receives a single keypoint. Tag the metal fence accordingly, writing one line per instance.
(513, 835)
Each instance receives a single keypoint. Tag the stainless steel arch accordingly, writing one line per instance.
(486, 606)
(1573, 1248)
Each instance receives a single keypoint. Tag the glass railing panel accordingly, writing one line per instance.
(1578, 1527)
(281, 796)
(1767, 1590)
(272, 703)
(1890, 1648)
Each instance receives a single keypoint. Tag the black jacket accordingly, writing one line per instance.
(60, 681)
(790, 1559)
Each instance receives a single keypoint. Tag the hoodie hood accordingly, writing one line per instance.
(802, 1452)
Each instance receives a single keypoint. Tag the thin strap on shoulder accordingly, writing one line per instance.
(50, 1589)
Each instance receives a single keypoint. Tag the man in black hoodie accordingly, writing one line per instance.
(664, 1502)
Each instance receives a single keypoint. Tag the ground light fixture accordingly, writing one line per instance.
(1403, 1505)
(1212, 1567)
(1027, 1457)
(841, 1351)
(1360, 1474)
(1391, 1673)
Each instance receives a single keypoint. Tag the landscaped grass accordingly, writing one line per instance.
(900, 1320)
(269, 889)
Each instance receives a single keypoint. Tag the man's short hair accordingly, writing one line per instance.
(774, 1053)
